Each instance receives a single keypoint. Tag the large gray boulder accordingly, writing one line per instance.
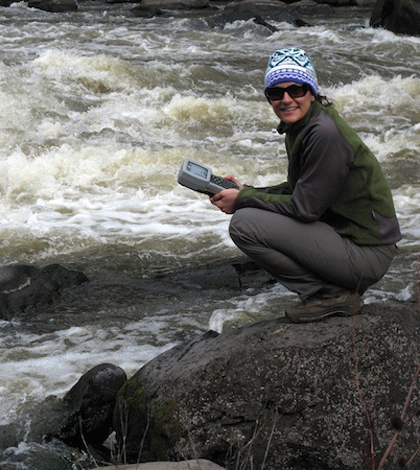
(399, 16)
(275, 395)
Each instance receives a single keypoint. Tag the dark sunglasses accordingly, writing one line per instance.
(294, 91)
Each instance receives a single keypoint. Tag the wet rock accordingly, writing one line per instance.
(340, 3)
(54, 6)
(309, 8)
(90, 404)
(152, 8)
(23, 287)
(199, 464)
(238, 10)
(260, 10)
(175, 4)
(146, 12)
(53, 455)
(235, 276)
(246, 10)
(399, 16)
(26, 443)
(258, 20)
(57, 433)
(291, 396)
(34, 422)
(84, 416)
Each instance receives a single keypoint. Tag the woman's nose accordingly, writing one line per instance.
(286, 97)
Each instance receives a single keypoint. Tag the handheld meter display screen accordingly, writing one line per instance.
(199, 177)
(197, 170)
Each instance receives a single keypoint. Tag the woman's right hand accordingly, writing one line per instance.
(225, 200)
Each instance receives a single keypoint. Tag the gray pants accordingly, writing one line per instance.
(308, 258)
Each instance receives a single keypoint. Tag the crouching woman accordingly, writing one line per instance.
(330, 231)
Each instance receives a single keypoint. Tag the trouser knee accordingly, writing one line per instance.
(239, 230)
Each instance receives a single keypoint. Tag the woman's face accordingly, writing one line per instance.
(291, 110)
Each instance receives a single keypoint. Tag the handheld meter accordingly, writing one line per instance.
(199, 177)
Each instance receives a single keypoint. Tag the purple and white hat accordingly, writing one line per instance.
(291, 65)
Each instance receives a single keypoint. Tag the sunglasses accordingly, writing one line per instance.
(294, 91)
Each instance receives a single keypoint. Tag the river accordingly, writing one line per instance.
(97, 111)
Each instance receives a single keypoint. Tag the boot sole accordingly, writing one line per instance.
(338, 310)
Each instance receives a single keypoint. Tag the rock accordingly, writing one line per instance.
(399, 16)
(312, 8)
(280, 395)
(54, 6)
(238, 275)
(278, 11)
(90, 405)
(34, 422)
(258, 20)
(83, 416)
(51, 435)
(199, 464)
(53, 455)
(366, 3)
(173, 4)
(340, 3)
(26, 443)
(143, 12)
(22, 286)
(245, 10)
(151, 8)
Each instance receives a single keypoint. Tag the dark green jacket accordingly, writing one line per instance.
(332, 177)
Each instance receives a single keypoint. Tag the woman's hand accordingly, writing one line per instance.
(225, 200)
(234, 180)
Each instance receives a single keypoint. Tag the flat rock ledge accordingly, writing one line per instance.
(277, 395)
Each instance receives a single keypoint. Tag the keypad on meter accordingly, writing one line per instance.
(227, 184)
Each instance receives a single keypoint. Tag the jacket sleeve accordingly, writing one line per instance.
(282, 188)
(325, 161)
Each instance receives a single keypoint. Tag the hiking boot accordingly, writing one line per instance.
(346, 304)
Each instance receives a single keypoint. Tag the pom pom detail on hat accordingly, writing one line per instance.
(291, 65)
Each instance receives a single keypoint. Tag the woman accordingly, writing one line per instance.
(329, 232)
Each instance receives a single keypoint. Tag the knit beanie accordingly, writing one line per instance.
(291, 65)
